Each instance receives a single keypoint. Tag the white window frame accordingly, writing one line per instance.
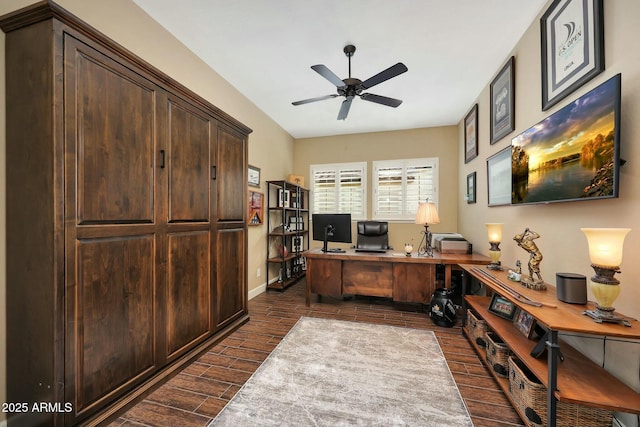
(337, 168)
(409, 207)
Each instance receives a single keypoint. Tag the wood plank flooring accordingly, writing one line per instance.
(194, 396)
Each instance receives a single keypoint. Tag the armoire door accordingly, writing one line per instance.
(188, 284)
(231, 291)
(231, 237)
(232, 173)
(111, 234)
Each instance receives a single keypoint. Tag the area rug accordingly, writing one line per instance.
(338, 373)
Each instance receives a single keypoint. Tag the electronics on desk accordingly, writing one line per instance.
(571, 288)
(331, 228)
(450, 243)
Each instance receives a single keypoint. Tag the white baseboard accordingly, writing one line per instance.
(252, 294)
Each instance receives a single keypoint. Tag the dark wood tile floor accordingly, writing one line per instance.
(194, 396)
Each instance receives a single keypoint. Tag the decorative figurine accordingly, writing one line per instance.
(408, 248)
(526, 242)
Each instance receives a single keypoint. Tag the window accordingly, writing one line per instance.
(400, 185)
(339, 188)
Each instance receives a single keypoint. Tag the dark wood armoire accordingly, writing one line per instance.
(126, 221)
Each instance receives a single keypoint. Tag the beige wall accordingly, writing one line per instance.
(438, 142)
(562, 243)
(128, 25)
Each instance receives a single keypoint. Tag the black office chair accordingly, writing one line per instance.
(373, 236)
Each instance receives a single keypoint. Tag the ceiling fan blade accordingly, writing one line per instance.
(385, 75)
(317, 98)
(328, 74)
(344, 108)
(378, 99)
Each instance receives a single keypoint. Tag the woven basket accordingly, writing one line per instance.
(477, 328)
(497, 354)
(530, 396)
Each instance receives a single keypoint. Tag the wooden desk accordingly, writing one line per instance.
(392, 274)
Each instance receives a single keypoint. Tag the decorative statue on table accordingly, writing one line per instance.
(526, 242)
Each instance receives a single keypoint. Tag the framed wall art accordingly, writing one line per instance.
(254, 176)
(502, 307)
(502, 88)
(499, 178)
(572, 37)
(256, 208)
(471, 134)
(471, 188)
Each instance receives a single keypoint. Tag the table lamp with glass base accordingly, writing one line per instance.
(494, 232)
(605, 251)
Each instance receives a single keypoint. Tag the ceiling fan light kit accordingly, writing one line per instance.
(352, 87)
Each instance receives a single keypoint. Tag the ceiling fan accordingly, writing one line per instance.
(351, 87)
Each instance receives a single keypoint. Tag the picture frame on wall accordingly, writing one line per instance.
(471, 134)
(499, 178)
(502, 88)
(471, 188)
(253, 176)
(256, 208)
(572, 47)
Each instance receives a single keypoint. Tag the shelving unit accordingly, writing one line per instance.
(288, 235)
(574, 380)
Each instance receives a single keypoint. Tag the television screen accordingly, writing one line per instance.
(574, 154)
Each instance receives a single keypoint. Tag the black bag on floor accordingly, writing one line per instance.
(441, 308)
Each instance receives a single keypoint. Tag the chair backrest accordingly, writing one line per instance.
(373, 235)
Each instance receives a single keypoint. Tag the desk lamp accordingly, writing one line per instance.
(494, 232)
(605, 252)
(427, 214)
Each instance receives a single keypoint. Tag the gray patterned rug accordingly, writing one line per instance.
(337, 373)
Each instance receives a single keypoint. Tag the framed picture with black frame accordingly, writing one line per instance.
(471, 188)
(499, 178)
(503, 115)
(572, 47)
(471, 134)
(502, 307)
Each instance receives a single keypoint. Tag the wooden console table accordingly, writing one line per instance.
(391, 274)
(575, 380)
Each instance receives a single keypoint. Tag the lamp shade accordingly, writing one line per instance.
(494, 232)
(605, 245)
(427, 214)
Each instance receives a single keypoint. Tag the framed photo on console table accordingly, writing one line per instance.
(502, 307)
(525, 323)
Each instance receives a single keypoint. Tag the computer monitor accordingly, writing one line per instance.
(331, 228)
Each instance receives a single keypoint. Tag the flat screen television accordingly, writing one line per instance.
(574, 154)
(331, 228)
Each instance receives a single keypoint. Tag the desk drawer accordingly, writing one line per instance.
(367, 278)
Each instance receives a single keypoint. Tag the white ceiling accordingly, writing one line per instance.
(452, 49)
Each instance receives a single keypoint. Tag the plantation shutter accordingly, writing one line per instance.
(400, 185)
(339, 188)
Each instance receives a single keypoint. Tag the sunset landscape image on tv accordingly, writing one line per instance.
(572, 154)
